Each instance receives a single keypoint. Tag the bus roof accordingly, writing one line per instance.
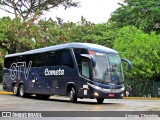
(89, 46)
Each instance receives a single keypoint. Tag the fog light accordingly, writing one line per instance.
(122, 95)
(96, 94)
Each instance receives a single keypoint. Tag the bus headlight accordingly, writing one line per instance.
(96, 94)
(123, 88)
(122, 95)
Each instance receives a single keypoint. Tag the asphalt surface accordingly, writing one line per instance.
(8, 102)
(55, 103)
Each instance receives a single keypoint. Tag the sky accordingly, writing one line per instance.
(95, 11)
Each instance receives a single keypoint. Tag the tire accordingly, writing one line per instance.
(73, 95)
(100, 100)
(22, 92)
(15, 90)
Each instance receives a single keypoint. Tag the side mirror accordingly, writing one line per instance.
(127, 61)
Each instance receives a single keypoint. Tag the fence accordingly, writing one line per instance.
(139, 88)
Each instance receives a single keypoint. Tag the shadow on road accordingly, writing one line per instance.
(66, 100)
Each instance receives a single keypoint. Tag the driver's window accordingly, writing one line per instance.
(85, 68)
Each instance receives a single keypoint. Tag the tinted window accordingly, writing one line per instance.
(7, 62)
(40, 59)
(85, 68)
(37, 60)
(10, 60)
(78, 52)
(53, 58)
(66, 58)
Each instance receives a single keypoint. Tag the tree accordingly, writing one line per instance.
(144, 14)
(18, 36)
(142, 50)
(28, 8)
(144, 53)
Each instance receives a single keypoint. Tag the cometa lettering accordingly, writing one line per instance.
(48, 72)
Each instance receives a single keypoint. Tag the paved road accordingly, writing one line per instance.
(10, 102)
(14, 103)
(56, 103)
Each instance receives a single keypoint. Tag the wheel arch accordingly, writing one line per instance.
(69, 87)
(13, 84)
(20, 83)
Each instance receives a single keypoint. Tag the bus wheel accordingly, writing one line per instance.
(100, 100)
(72, 95)
(21, 91)
(15, 90)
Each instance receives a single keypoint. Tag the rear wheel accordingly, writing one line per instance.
(73, 95)
(100, 100)
(22, 92)
(15, 90)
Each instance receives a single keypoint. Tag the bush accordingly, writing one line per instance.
(1, 74)
(142, 50)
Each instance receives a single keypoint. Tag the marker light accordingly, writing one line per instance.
(91, 52)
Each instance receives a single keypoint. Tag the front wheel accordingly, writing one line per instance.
(73, 95)
(100, 100)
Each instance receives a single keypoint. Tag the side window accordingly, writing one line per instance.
(7, 62)
(20, 59)
(85, 68)
(40, 59)
(54, 58)
(66, 58)
(37, 60)
(77, 53)
(45, 59)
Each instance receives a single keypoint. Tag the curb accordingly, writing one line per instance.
(140, 98)
(5, 93)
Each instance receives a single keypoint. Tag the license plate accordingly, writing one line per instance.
(111, 95)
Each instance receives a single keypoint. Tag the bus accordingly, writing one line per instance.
(76, 70)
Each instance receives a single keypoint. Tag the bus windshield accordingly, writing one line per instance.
(108, 68)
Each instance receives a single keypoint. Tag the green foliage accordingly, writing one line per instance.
(144, 14)
(16, 35)
(57, 32)
(142, 50)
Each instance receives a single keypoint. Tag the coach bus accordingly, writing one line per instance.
(77, 70)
